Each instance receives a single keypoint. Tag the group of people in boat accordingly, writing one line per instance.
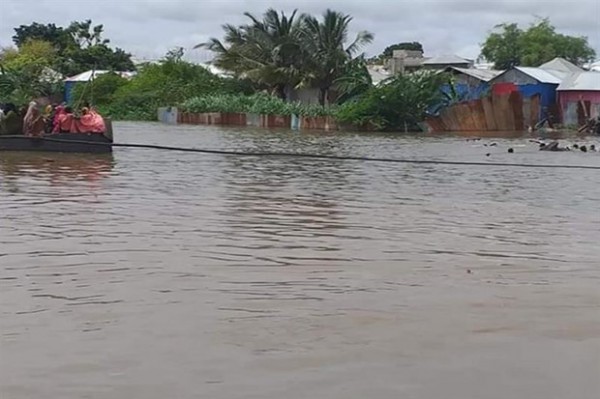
(57, 118)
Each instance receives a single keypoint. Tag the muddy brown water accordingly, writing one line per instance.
(152, 274)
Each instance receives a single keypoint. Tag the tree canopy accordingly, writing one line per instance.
(78, 47)
(26, 72)
(287, 51)
(509, 45)
(411, 46)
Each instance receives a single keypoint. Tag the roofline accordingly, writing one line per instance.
(519, 68)
(570, 89)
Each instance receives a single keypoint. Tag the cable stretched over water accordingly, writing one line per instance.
(324, 157)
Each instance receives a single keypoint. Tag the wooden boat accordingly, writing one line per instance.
(95, 143)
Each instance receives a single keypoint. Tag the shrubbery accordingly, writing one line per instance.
(262, 104)
(398, 103)
(165, 84)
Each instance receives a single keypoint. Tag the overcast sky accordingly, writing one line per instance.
(148, 28)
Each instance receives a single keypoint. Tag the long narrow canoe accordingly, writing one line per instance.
(93, 143)
(63, 142)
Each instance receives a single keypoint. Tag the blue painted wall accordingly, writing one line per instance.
(69, 86)
(546, 91)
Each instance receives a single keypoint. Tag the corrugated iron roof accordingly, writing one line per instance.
(544, 75)
(89, 75)
(560, 64)
(582, 81)
(85, 76)
(594, 66)
(484, 75)
(446, 59)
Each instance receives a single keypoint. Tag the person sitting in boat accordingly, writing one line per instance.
(60, 110)
(64, 121)
(90, 122)
(33, 123)
(12, 122)
(49, 113)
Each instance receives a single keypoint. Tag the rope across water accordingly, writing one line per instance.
(322, 157)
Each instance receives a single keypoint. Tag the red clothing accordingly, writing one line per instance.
(65, 123)
(60, 111)
(91, 122)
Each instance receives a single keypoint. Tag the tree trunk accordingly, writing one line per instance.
(280, 92)
(324, 96)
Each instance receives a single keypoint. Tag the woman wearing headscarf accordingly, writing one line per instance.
(66, 121)
(60, 110)
(90, 122)
(33, 123)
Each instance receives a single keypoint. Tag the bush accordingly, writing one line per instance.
(156, 85)
(100, 91)
(262, 104)
(398, 103)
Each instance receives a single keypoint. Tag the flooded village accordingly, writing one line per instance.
(335, 204)
(556, 95)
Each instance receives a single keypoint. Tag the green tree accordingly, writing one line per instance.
(541, 43)
(79, 47)
(27, 71)
(166, 83)
(100, 91)
(175, 54)
(355, 80)
(57, 36)
(33, 53)
(85, 35)
(267, 51)
(284, 52)
(510, 46)
(411, 46)
(398, 103)
(98, 56)
(326, 43)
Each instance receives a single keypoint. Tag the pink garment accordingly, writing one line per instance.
(91, 122)
(65, 123)
(60, 110)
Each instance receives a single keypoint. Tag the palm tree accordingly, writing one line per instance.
(325, 42)
(266, 51)
(355, 80)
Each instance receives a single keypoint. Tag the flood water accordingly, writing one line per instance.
(155, 274)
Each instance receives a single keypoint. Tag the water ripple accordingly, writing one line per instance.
(259, 272)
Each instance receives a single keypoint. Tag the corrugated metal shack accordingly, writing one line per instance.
(470, 83)
(579, 98)
(521, 97)
(529, 82)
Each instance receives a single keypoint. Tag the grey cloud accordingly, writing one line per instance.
(148, 28)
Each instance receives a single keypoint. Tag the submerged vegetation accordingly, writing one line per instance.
(262, 104)
(398, 103)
